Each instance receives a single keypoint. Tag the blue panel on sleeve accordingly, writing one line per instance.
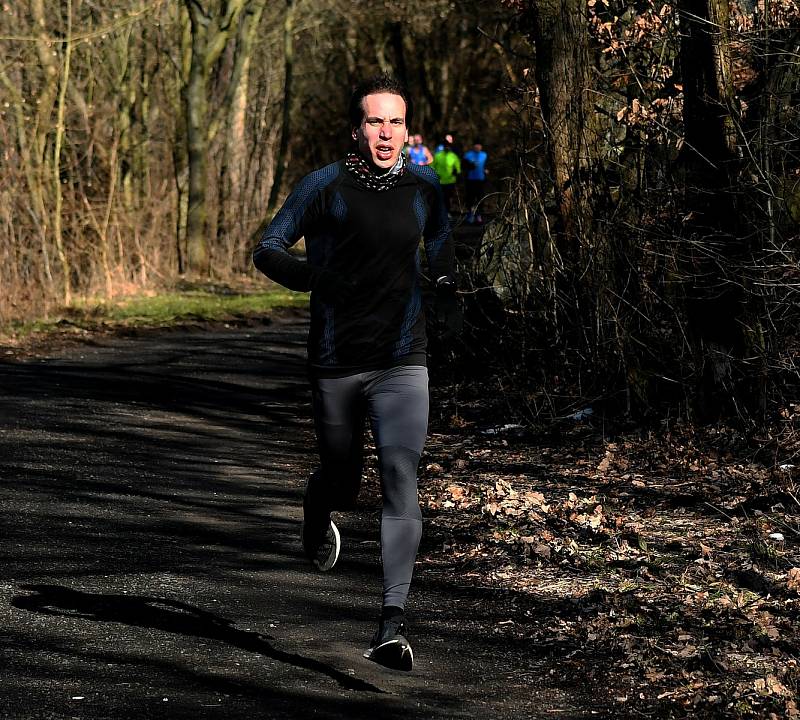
(425, 172)
(420, 210)
(283, 231)
(339, 208)
(437, 227)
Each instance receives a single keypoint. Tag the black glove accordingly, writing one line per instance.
(333, 288)
(448, 311)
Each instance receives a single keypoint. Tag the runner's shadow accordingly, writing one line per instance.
(170, 616)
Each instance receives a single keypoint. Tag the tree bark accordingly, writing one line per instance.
(45, 103)
(234, 218)
(577, 262)
(707, 86)
(715, 302)
(288, 74)
(196, 109)
(66, 269)
(211, 30)
(560, 35)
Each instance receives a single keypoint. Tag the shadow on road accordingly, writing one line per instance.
(169, 616)
(151, 456)
(170, 467)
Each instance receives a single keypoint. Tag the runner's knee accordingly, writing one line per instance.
(398, 469)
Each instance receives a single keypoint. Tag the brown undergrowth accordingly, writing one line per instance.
(662, 570)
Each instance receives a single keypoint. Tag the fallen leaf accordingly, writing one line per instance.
(456, 492)
(776, 687)
(793, 580)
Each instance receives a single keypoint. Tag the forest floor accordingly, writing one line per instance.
(661, 566)
(657, 569)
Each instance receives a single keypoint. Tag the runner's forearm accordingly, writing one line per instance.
(280, 266)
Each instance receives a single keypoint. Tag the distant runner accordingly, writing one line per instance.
(448, 167)
(418, 153)
(475, 167)
(362, 218)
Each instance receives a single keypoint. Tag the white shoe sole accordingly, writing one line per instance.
(334, 556)
(396, 654)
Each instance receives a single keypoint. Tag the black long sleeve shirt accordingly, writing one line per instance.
(372, 239)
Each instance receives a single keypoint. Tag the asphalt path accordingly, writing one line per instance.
(150, 564)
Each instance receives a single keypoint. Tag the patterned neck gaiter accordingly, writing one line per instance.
(365, 176)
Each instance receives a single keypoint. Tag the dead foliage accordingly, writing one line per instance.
(661, 569)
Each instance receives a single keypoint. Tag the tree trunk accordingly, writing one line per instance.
(715, 302)
(45, 104)
(706, 74)
(211, 30)
(578, 263)
(283, 147)
(560, 34)
(196, 109)
(394, 33)
(235, 217)
(66, 270)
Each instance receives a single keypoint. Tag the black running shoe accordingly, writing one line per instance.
(389, 647)
(321, 547)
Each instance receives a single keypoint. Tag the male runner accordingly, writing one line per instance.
(363, 218)
(475, 163)
(448, 167)
(418, 152)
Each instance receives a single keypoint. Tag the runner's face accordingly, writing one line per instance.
(382, 133)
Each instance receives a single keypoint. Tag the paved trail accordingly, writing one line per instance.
(149, 557)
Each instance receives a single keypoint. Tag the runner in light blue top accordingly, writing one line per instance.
(418, 154)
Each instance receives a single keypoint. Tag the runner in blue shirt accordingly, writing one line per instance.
(475, 168)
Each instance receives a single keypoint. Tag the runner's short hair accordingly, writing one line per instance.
(381, 83)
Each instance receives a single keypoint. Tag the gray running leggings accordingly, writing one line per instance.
(396, 402)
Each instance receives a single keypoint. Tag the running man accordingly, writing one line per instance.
(362, 219)
(475, 164)
(418, 153)
(448, 167)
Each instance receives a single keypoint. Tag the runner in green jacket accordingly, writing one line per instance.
(448, 167)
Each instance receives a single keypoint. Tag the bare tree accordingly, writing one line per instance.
(212, 25)
(288, 97)
(560, 35)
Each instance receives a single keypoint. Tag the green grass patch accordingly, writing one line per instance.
(195, 305)
(158, 310)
